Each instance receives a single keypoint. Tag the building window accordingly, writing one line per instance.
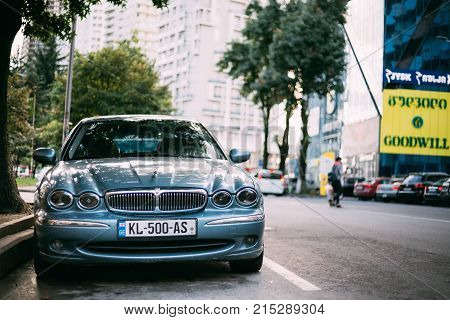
(235, 94)
(217, 92)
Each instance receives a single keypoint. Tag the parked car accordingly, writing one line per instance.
(23, 171)
(272, 182)
(413, 187)
(349, 185)
(445, 193)
(388, 191)
(432, 194)
(139, 188)
(366, 190)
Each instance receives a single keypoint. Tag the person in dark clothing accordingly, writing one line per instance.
(336, 173)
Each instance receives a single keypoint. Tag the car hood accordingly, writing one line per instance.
(103, 175)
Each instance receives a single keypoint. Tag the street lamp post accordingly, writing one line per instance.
(68, 98)
(32, 137)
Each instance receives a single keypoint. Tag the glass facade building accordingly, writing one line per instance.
(416, 42)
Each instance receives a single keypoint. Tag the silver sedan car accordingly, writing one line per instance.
(144, 189)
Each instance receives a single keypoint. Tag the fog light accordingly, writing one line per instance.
(57, 245)
(250, 240)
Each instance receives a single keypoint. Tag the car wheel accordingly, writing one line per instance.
(41, 267)
(247, 266)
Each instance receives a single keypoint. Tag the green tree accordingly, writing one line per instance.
(249, 60)
(48, 133)
(310, 48)
(41, 70)
(117, 80)
(18, 125)
(37, 21)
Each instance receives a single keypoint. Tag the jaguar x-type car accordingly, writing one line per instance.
(138, 188)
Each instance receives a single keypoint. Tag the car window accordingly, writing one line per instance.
(154, 138)
(435, 178)
(413, 179)
(440, 182)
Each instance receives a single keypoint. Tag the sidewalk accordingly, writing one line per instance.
(27, 189)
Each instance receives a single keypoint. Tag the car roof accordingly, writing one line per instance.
(429, 174)
(136, 117)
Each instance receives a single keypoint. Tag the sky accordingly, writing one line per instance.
(17, 43)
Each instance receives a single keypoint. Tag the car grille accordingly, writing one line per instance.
(170, 246)
(153, 201)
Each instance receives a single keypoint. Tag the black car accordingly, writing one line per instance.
(432, 194)
(445, 193)
(349, 184)
(413, 187)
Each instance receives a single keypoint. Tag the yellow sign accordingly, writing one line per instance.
(415, 122)
(325, 164)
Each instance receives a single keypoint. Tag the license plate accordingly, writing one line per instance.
(157, 228)
(407, 189)
(359, 187)
(384, 195)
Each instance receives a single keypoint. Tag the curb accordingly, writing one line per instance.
(17, 225)
(16, 243)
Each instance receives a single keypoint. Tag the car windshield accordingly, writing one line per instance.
(435, 178)
(143, 138)
(440, 182)
(413, 179)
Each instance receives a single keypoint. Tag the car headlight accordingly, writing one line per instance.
(247, 197)
(61, 199)
(222, 198)
(89, 200)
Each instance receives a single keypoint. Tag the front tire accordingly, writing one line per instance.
(248, 265)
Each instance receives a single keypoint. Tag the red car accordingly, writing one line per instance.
(367, 189)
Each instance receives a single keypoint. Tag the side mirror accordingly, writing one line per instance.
(45, 156)
(238, 156)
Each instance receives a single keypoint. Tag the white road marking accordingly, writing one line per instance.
(289, 276)
(391, 214)
(403, 216)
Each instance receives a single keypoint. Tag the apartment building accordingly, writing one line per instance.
(30, 44)
(108, 24)
(193, 35)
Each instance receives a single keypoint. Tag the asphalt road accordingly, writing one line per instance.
(366, 250)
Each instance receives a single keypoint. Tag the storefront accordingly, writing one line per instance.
(414, 132)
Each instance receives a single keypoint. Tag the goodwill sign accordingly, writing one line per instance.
(415, 122)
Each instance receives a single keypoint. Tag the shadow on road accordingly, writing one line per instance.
(114, 281)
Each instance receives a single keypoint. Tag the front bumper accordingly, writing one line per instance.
(223, 235)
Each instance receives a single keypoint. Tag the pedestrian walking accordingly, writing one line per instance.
(336, 180)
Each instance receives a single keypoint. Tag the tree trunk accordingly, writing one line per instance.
(10, 22)
(304, 144)
(284, 147)
(266, 116)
